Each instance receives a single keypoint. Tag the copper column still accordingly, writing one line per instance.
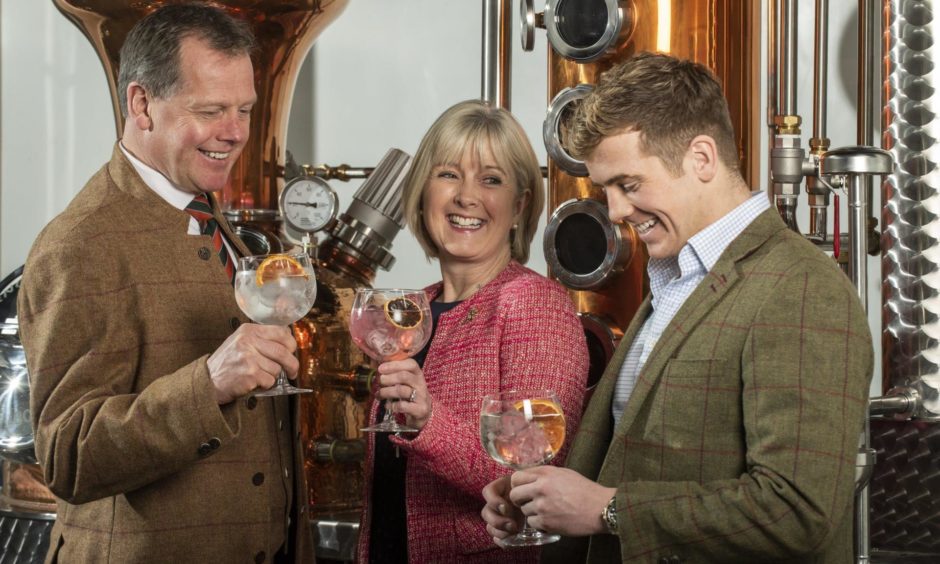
(604, 265)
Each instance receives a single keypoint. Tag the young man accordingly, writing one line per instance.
(139, 357)
(726, 426)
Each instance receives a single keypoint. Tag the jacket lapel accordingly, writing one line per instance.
(590, 446)
(719, 280)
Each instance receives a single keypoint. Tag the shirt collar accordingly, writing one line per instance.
(703, 249)
(175, 196)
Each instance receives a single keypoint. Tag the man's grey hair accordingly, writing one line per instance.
(150, 55)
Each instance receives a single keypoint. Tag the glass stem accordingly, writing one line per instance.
(388, 410)
(527, 531)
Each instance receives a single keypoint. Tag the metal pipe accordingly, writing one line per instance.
(772, 71)
(892, 405)
(820, 69)
(863, 186)
(858, 236)
(858, 274)
(342, 172)
(497, 55)
(788, 57)
(866, 65)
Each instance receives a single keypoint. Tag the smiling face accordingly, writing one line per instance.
(665, 210)
(469, 208)
(194, 136)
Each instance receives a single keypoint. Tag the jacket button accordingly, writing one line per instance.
(251, 402)
(257, 480)
(234, 323)
(259, 558)
(204, 253)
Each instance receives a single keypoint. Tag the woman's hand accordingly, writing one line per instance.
(404, 380)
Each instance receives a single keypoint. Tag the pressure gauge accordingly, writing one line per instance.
(308, 204)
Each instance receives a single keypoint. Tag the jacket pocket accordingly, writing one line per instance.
(694, 422)
(685, 368)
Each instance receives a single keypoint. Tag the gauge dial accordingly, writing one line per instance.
(308, 204)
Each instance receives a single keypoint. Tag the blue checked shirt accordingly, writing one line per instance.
(672, 281)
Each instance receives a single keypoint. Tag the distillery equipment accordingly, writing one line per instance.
(601, 264)
(340, 375)
(27, 507)
(604, 265)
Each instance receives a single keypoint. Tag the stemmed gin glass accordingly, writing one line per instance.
(276, 290)
(522, 429)
(390, 324)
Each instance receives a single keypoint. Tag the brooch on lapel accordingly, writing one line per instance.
(470, 315)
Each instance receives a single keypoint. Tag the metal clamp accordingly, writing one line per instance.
(583, 249)
(586, 31)
(551, 129)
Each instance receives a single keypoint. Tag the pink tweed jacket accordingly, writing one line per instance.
(520, 331)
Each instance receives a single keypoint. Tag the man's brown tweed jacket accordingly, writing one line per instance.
(119, 310)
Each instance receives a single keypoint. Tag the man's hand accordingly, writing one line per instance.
(501, 516)
(251, 358)
(559, 500)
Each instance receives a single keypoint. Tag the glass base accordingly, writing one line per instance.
(390, 426)
(530, 537)
(281, 390)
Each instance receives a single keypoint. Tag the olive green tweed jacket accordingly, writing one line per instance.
(738, 443)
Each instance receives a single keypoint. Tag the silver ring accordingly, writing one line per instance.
(414, 394)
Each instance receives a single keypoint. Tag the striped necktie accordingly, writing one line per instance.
(201, 210)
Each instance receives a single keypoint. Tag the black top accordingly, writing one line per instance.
(388, 541)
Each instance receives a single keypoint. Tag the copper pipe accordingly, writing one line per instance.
(820, 68)
(496, 80)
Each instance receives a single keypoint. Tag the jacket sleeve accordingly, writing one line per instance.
(97, 432)
(805, 371)
(541, 347)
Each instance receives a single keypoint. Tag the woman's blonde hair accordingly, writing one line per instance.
(475, 125)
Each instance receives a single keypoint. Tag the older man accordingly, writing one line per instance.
(139, 357)
(726, 426)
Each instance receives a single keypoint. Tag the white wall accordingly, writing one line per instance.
(379, 76)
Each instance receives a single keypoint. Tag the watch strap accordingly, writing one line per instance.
(609, 515)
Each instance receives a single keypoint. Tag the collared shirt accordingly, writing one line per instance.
(672, 281)
(175, 196)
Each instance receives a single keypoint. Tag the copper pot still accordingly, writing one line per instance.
(285, 30)
(603, 265)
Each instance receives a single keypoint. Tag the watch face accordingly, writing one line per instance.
(308, 204)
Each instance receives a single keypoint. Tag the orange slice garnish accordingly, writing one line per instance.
(548, 415)
(403, 313)
(278, 266)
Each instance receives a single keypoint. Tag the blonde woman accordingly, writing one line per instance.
(473, 200)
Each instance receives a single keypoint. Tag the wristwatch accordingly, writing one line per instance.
(609, 516)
